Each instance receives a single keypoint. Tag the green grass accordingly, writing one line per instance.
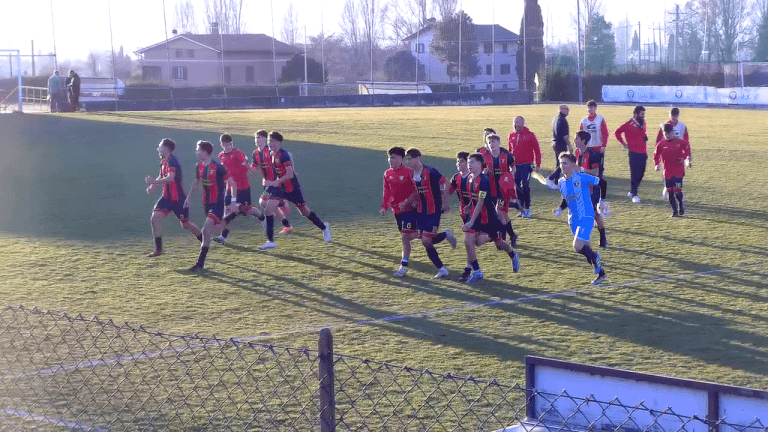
(74, 218)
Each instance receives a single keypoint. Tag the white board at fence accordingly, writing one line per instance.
(700, 95)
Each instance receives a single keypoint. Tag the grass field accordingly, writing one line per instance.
(685, 297)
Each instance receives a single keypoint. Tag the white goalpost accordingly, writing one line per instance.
(18, 72)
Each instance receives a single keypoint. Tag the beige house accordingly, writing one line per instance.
(199, 60)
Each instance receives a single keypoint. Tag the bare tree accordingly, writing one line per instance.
(730, 25)
(184, 13)
(350, 24)
(446, 8)
(227, 13)
(406, 17)
(290, 31)
(373, 14)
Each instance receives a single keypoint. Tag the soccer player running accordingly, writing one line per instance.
(595, 124)
(560, 143)
(431, 202)
(681, 132)
(575, 189)
(286, 187)
(483, 219)
(214, 178)
(673, 152)
(173, 197)
(262, 162)
(498, 161)
(459, 185)
(236, 163)
(525, 148)
(591, 163)
(399, 194)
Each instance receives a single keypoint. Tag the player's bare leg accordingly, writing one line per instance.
(323, 226)
(407, 238)
(210, 228)
(434, 256)
(585, 248)
(471, 241)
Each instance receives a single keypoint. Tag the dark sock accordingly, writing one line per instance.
(475, 265)
(603, 238)
(230, 217)
(271, 228)
(404, 262)
(679, 196)
(588, 254)
(316, 220)
(286, 223)
(199, 238)
(159, 243)
(503, 234)
(510, 230)
(225, 233)
(438, 238)
(201, 258)
(563, 205)
(603, 188)
(672, 201)
(468, 269)
(434, 257)
(511, 254)
(260, 216)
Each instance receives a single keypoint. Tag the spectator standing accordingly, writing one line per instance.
(73, 89)
(56, 89)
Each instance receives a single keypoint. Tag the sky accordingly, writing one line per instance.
(80, 26)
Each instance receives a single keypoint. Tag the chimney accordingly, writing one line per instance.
(174, 32)
(215, 28)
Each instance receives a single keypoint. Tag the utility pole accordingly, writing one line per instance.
(578, 47)
(33, 59)
(639, 47)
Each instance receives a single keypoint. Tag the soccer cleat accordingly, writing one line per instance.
(443, 272)
(635, 199)
(476, 276)
(286, 230)
(552, 185)
(527, 213)
(268, 245)
(451, 238)
(603, 208)
(327, 233)
(195, 268)
(465, 276)
(674, 214)
(156, 252)
(401, 271)
(603, 243)
(513, 241)
(600, 277)
(220, 239)
(598, 264)
(515, 263)
(629, 195)
(557, 212)
(664, 192)
(682, 208)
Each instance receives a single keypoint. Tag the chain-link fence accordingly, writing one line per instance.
(76, 373)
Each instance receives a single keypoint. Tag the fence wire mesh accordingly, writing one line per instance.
(77, 373)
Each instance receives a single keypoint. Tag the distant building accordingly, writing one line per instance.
(195, 60)
(496, 57)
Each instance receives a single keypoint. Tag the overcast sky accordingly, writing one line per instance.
(80, 26)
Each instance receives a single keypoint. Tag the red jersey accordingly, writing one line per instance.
(497, 166)
(236, 163)
(429, 185)
(673, 154)
(525, 147)
(174, 190)
(262, 159)
(507, 187)
(281, 161)
(398, 187)
(636, 136)
(459, 186)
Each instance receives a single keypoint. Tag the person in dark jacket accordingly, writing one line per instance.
(560, 143)
(73, 89)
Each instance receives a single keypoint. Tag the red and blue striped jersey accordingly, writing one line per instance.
(480, 187)
(173, 191)
(214, 177)
(262, 159)
(428, 186)
(497, 166)
(459, 186)
(281, 161)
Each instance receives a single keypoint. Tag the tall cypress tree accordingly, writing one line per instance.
(532, 29)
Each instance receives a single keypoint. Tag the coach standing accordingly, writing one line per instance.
(560, 142)
(636, 138)
(73, 88)
(525, 148)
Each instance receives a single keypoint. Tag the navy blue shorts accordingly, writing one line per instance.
(406, 221)
(465, 218)
(674, 182)
(428, 224)
(595, 196)
(243, 196)
(492, 228)
(294, 196)
(215, 211)
(177, 207)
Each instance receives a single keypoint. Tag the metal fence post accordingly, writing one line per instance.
(326, 378)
